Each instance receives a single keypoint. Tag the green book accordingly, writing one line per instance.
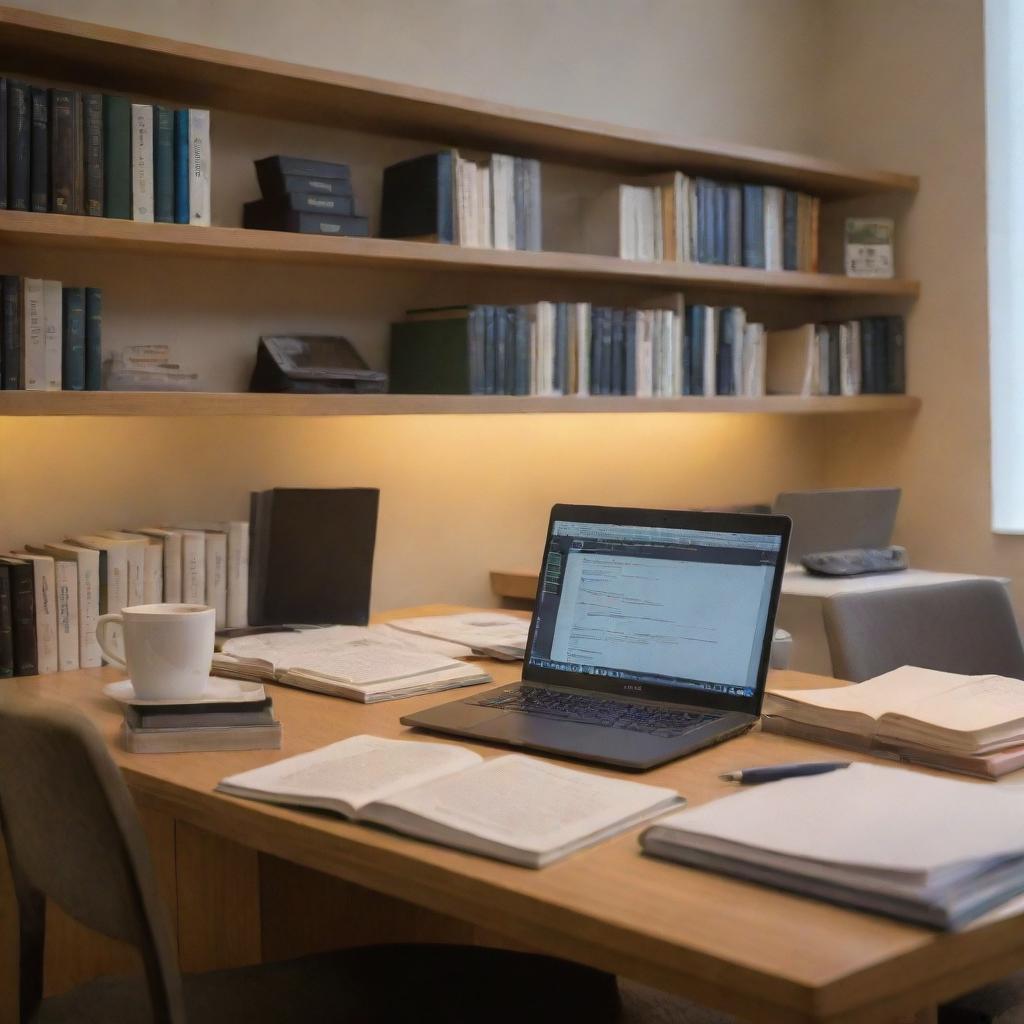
(438, 356)
(73, 348)
(117, 157)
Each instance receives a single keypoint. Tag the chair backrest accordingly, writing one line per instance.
(73, 835)
(966, 626)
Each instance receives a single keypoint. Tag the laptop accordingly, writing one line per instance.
(860, 517)
(650, 638)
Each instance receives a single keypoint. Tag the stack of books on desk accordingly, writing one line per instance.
(353, 662)
(933, 851)
(968, 724)
(229, 718)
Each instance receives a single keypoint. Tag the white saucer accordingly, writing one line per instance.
(218, 691)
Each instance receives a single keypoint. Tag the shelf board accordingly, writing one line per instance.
(134, 403)
(114, 59)
(108, 235)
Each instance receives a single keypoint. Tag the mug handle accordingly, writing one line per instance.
(101, 629)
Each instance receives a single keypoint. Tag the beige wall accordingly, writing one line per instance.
(921, 62)
(459, 494)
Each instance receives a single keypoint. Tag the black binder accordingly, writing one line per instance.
(311, 555)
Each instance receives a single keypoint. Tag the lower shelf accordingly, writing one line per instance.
(136, 403)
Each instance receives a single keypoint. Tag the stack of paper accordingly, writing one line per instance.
(360, 664)
(921, 848)
(489, 634)
(971, 724)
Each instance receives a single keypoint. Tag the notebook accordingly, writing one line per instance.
(921, 848)
(354, 662)
(512, 808)
(965, 723)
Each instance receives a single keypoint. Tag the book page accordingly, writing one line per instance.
(978, 702)
(352, 772)
(473, 629)
(528, 804)
(893, 691)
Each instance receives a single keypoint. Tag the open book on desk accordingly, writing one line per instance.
(354, 662)
(513, 808)
(490, 634)
(921, 848)
(972, 724)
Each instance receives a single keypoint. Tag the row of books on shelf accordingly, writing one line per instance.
(101, 155)
(51, 336)
(494, 203)
(574, 348)
(52, 594)
(686, 219)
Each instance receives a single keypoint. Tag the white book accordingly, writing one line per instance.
(849, 343)
(45, 586)
(739, 316)
(33, 335)
(645, 354)
(678, 361)
(754, 360)
(142, 162)
(145, 566)
(682, 186)
(546, 348)
(710, 341)
(582, 341)
(53, 334)
(503, 204)
(87, 562)
(627, 223)
(485, 229)
(217, 575)
(657, 225)
(773, 228)
(66, 583)
(172, 559)
(935, 851)
(193, 567)
(238, 574)
(534, 218)
(465, 201)
(512, 808)
(199, 158)
(114, 593)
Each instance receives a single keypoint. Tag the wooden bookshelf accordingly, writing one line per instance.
(107, 235)
(134, 403)
(185, 73)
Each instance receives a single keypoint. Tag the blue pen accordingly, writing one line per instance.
(754, 776)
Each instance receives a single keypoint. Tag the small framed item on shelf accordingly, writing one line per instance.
(869, 242)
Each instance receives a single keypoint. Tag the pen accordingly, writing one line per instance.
(754, 776)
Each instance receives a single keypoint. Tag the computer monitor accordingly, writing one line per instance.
(664, 605)
(836, 520)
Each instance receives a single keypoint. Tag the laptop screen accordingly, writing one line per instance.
(683, 613)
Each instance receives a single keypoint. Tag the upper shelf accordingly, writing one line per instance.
(105, 234)
(114, 59)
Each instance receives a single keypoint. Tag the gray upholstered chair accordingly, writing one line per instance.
(73, 836)
(967, 626)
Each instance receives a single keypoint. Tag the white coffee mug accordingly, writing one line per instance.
(168, 648)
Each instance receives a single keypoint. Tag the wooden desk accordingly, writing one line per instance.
(246, 880)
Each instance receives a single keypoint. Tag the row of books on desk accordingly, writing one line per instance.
(574, 348)
(52, 594)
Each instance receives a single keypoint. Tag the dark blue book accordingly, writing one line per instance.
(617, 367)
(487, 315)
(595, 350)
(475, 340)
(721, 224)
(753, 226)
(561, 347)
(520, 196)
(3, 143)
(500, 349)
(181, 209)
(705, 224)
(790, 233)
(834, 361)
(92, 135)
(510, 316)
(725, 383)
(629, 342)
(881, 361)
(521, 322)
(688, 332)
(93, 339)
(700, 315)
(869, 352)
(19, 145)
(10, 364)
(73, 347)
(733, 226)
(417, 199)
(896, 355)
(39, 174)
(163, 164)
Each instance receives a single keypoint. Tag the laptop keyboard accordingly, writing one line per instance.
(616, 714)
